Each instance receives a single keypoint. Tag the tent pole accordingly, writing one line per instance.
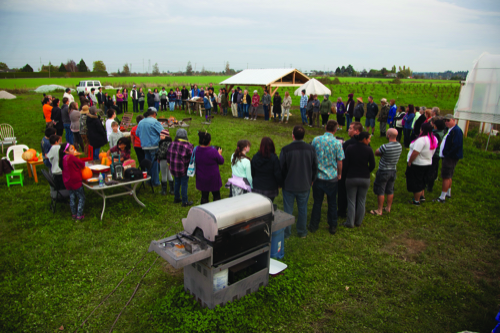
(487, 143)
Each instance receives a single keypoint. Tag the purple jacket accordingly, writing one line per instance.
(207, 169)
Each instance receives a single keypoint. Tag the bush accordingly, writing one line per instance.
(19, 75)
(396, 81)
(336, 81)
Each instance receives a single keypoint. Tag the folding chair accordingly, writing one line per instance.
(145, 167)
(7, 135)
(206, 124)
(185, 123)
(56, 195)
(126, 121)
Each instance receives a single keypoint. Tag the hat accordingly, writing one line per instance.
(255, 91)
(149, 89)
(350, 95)
(67, 89)
(360, 99)
(153, 109)
(181, 134)
(383, 100)
(449, 116)
(165, 132)
(134, 86)
(85, 108)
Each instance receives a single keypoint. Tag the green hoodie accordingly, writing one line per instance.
(325, 107)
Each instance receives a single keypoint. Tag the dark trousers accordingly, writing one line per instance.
(357, 119)
(135, 105)
(266, 111)
(342, 198)
(184, 104)
(125, 106)
(140, 154)
(60, 130)
(181, 186)
(310, 116)
(320, 188)
(205, 194)
(407, 139)
(400, 133)
(120, 107)
(164, 105)
(141, 106)
(433, 174)
(324, 119)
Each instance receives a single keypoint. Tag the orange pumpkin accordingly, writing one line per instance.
(102, 155)
(33, 151)
(27, 155)
(86, 173)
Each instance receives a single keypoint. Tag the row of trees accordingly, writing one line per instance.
(69, 66)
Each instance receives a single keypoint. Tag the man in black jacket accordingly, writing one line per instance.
(354, 129)
(135, 99)
(100, 98)
(299, 167)
(371, 113)
(185, 96)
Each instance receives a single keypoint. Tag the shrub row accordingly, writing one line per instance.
(19, 75)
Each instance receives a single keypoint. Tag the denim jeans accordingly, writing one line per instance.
(150, 154)
(303, 115)
(74, 195)
(288, 201)
(320, 188)
(348, 120)
(69, 134)
(157, 106)
(96, 153)
(240, 111)
(266, 112)
(171, 105)
(245, 110)
(181, 183)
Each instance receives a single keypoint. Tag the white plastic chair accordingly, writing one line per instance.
(18, 151)
(7, 135)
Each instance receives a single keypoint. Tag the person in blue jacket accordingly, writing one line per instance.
(172, 97)
(451, 151)
(207, 105)
(392, 113)
(195, 92)
(408, 121)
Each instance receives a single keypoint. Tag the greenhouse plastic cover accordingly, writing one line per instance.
(49, 88)
(479, 98)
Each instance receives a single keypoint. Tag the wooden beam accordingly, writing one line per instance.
(466, 128)
(293, 77)
(482, 130)
(274, 91)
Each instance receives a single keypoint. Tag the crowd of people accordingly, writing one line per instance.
(340, 170)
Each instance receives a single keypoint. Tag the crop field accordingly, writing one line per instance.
(432, 268)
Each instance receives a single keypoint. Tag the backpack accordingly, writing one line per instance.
(133, 174)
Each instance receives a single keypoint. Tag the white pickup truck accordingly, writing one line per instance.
(86, 86)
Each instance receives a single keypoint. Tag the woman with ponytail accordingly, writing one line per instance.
(419, 160)
(241, 182)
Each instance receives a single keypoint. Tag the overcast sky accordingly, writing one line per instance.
(427, 35)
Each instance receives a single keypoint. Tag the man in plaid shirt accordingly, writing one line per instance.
(178, 157)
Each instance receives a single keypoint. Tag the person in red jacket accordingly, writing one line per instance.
(72, 167)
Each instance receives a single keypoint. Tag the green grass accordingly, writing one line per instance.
(432, 268)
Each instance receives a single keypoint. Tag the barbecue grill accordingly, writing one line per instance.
(225, 247)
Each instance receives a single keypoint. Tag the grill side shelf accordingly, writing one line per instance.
(282, 220)
(176, 253)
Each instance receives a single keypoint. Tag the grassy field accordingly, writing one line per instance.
(432, 268)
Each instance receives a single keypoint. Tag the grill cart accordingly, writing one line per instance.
(225, 247)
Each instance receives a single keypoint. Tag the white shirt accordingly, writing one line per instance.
(109, 130)
(53, 156)
(423, 146)
(94, 98)
(443, 142)
(69, 96)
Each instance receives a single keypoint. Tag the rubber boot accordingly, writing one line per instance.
(171, 183)
(163, 188)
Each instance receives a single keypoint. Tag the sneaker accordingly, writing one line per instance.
(448, 196)
(303, 236)
(413, 202)
(177, 201)
(439, 200)
(332, 230)
(422, 199)
(312, 230)
(254, 119)
(79, 218)
(186, 204)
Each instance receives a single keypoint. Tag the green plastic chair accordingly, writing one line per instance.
(15, 178)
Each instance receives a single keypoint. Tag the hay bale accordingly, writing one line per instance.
(6, 95)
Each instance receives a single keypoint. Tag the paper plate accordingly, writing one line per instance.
(276, 267)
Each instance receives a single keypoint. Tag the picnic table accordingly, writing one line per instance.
(194, 105)
(125, 184)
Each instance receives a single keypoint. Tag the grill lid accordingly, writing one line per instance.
(221, 214)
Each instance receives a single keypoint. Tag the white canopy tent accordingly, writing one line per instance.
(479, 98)
(313, 86)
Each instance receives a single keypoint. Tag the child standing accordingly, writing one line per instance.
(53, 156)
(72, 167)
(163, 145)
(115, 135)
(242, 181)
(45, 144)
(136, 141)
(111, 115)
(208, 106)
